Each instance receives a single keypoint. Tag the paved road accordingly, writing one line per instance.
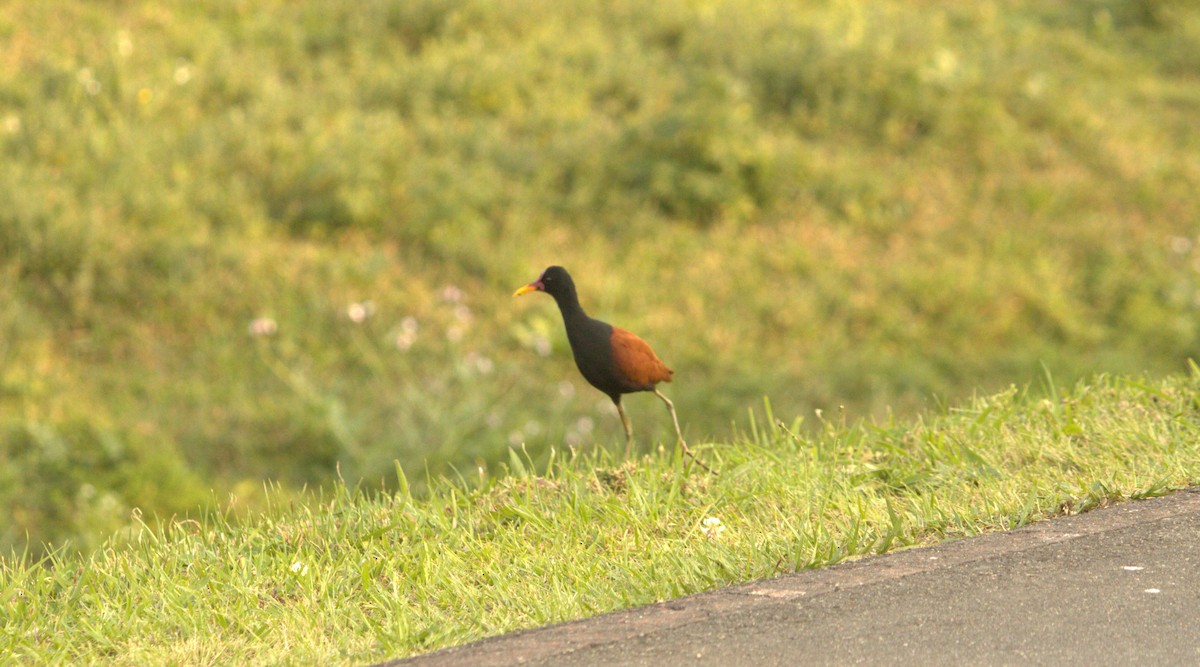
(1116, 586)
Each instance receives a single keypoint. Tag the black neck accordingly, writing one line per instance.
(568, 305)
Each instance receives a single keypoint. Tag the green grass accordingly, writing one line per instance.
(868, 204)
(355, 577)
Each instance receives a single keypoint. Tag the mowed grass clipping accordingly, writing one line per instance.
(360, 577)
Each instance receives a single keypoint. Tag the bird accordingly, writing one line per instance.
(614, 360)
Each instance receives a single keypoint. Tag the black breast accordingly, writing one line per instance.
(591, 344)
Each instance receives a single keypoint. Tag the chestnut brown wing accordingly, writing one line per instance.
(636, 361)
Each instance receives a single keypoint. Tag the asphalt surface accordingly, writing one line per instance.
(1115, 586)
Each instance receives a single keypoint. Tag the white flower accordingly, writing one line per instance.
(578, 433)
(1182, 245)
(88, 79)
(712, 527)
(124, 44)
(359, 312)
(183, 73)
(408, 333)
(405, 340)
(480, 363)
(299, 568)
(263, 326)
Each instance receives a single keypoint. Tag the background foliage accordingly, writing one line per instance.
(264, 240)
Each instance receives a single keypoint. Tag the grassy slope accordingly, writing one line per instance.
(853, 203)
(362, 577)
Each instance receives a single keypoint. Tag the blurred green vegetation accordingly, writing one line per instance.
(269, 240)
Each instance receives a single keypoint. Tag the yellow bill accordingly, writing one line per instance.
(531, 287)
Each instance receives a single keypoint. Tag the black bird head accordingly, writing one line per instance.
(554, 281)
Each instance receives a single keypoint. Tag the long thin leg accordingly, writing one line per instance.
(628, 429)
(674, 418)
(678, 432)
